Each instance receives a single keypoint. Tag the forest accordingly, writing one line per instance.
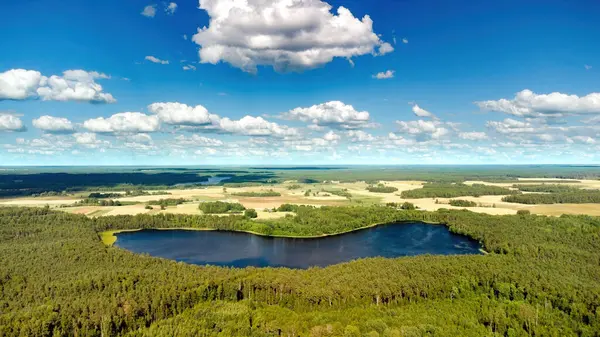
(453, 190)
(381, 188)
(220, 207)
(269, 193)
(573, 197)
(462, 203)
(540, 277)
(546, 188)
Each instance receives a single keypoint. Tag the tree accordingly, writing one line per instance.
(250, 213)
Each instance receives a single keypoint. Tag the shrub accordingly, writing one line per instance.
(250, 213)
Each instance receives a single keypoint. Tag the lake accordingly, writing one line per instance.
(237, 249)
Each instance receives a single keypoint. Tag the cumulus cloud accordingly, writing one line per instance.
(417, 110)
(331, 136)
(89, 140)
(334, 114)
(256, 126)
(53, 124)
(404, 40)
(384, 75)
(175, 113)
(473, 135)
(19, 84)
(360, 136)
(512, 126)
(149, 11)
(285, 34)
(124, 122)
(197, 141)
(433, 129)
(73, 85)
(529, 104)
(155, 60)
(189, 67)
(11, 123)
(171, 8)
(140, 138)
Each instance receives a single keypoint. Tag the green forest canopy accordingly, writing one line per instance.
(453, 190)
(540, 278)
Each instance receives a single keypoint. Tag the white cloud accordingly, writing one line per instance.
(197, 141)
(175, 113)
(584, 140)
(512, 126)
(207, 151)
(124, 122)
(587, 67)
(433, 129)
(417, 110)
(185, 37)
(149, 11)
(404, 40)
(334, 114)
(255, 126)
(529, 104)
(399, 140)
(384, 75)
(74, 85)
(284, 34)
(189, 67)
(11, 123)
(53, 124)
(473, 135)
(385, 48)
(360, 136)
(171, 8)
(140, 138)
(156, 60)
(331, 136)
(89, 140)
(19, 84)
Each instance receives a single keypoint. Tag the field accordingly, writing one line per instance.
(318, 196)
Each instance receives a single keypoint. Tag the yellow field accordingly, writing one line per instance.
(491, 204)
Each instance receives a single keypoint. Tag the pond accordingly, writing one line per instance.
(237, 249)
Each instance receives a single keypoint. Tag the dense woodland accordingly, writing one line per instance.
(540, 278)
(574, 197)
(381, 188)
(260, 194)
(546, 188)
(453, 190)
(462, 203)
(220, 207)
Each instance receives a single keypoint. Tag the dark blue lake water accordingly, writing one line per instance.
(242, 250)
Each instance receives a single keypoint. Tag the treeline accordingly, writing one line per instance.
(167, 202)
(540, 278)
(269, 193)
(445, 190)
(546, 188)
(98, 202)
(220, 207)
(381, 188)
(576, 197)
(462, 203)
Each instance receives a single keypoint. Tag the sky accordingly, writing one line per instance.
(299, 82)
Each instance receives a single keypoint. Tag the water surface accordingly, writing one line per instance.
(236, 249)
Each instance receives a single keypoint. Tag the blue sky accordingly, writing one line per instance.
(459, 82)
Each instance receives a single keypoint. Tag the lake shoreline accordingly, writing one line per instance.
(109, 237)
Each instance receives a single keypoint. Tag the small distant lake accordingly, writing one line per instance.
(224, 248)
(210, 181)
